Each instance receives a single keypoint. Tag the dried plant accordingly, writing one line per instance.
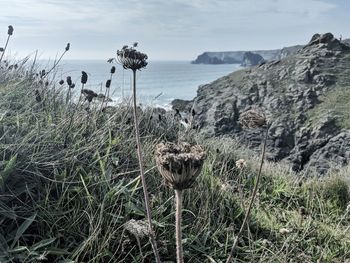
(241, 164)
(66, 49)
(108, 85)
(251, 119)
(84, 78)
(9, 34)
(179, 165)
(129, 58)
(89, 94)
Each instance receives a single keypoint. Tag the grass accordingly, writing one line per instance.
(70, 204)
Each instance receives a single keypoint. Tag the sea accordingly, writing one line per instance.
(157, 85)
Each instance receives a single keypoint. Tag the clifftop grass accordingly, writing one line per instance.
(70, 204)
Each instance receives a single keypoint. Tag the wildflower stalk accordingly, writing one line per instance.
(179, 164)
(255, 190)
(9, 34)
(142, 173)
(178, 219)
(58, 61)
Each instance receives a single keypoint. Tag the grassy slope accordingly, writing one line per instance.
(69, 204)
(336, 102)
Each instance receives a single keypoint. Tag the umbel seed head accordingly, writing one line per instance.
(84, 77)
(179, 164)
(68, 46)
(10, 30)
(89, 94)
(132, 59)
(252, 119)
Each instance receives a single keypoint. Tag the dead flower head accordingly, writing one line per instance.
(89, 94)
(84, 77)
(252, 118)
(179, 164)
(241, 164)
(10, 30)
(138, 228)
(69, 81)
(132, 59)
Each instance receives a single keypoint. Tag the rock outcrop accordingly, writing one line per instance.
(236, 57)
(251, 59)
(306, 96)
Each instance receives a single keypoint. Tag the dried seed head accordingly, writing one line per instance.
(10, 30)
(108, 83)
(138, 228)
(67, 47)
(61, 82)
(69, 81)
(193, 112)
(241, 164)
(89, 94)
(2, 49)
(84, 77)
(252, 119)
(132, 59)
(42, 73)
(285, 231)
(179, 164)
(72, 86)
(113, 70)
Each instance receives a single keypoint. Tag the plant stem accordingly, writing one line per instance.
(7, 41)
(178, 218)
(142, 173)
(255, 190)
(56, 63)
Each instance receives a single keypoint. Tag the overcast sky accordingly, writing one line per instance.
(166, 29)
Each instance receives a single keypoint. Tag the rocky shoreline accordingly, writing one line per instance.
(303, 94)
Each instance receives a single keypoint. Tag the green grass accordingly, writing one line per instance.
(69, 204)
(335, 103)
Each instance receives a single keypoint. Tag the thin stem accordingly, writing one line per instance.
(7, 41)
(255, 190)
(142, 173)
(178, 219)
(56, 63)
(72, 118)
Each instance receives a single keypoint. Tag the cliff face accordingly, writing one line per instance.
(306, 96)
(236, 57)
(251, 59)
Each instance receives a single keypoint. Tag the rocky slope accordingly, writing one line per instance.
(306, 97)
(237, 57)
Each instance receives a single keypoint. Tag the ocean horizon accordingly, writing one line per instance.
(157, 85)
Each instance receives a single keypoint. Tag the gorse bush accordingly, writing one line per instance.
(70, 189)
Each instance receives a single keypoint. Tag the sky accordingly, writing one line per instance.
(165, 29)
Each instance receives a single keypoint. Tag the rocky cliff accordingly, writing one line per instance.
(236, 57)
(251, 59)
(306, 96)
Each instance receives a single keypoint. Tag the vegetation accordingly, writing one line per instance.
(70, 191)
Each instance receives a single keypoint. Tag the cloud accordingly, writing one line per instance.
(157, 23)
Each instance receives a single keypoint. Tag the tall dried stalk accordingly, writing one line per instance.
(9, 34)
(142, 173)
(255, 190)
